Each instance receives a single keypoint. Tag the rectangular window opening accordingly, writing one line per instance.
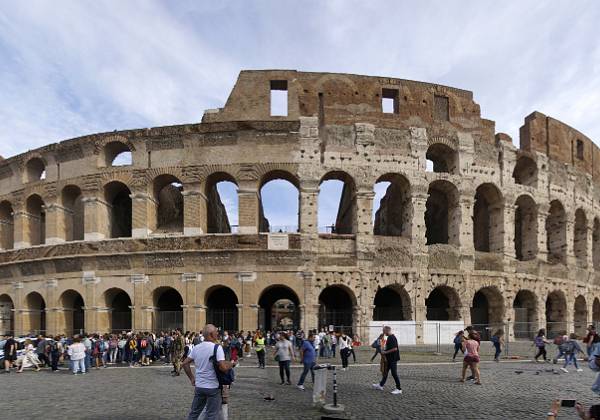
(441, 111)
(279, 98)
(389, 101)
(580, 149)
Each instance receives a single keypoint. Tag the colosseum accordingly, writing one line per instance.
(470, 230)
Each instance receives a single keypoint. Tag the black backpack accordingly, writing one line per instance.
(224, 378)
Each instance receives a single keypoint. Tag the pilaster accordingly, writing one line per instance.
(143, 214)
(56, 226)
(194, 210)
(97, 219)
(248, 207)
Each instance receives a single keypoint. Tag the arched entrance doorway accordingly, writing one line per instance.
(119, 303)
(580, 315)
(525, 308)
(221, 308)
(7, 318)
(556, 313)
(392, 303)
(278, 309)
(336, 304)
(487, 311)
(442, 304)
(169, 313)
(34, 317)
(74, 317)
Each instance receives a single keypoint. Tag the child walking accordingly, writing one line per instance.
(540, 343)
(458, 340)
(498, 342)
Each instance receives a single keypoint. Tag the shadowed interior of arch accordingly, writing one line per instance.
(278, 308)
(221, 308)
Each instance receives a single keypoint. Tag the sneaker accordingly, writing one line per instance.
(579, 370)
(564, 370)
(378, 387)
(397, 391)
(300, 387)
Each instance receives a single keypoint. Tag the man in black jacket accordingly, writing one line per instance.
(391, 352)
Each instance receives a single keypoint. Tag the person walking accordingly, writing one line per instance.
(308, 356)
(391, 352)
(471, 360)
(77, 354)
(55, 350)
(498, 342)
(355, 343)
(208, 356)
(589, 338)
(10, 352)
(458, 340)
(343, 342)
(377, 346)
(540, 343)
(572, 348)
(30, 358)
(177, 351)
(259, 345)
(42, 351)
(113, 348)
(284, 354)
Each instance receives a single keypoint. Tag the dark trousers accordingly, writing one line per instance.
(457, 347)
(261, 358)
(393, 367)
(284, 366)
(498, 351)
(377, 351)
(54, 356)
(43, 359)
(333, 349)
(541, 352)
(353, 355)
(308, 367)
(344, 353)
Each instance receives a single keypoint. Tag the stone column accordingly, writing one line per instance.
(7, 232)
(589, 242)
(195, 207)
(465, 313)
(138, 313)
(465, 227)
(252, 317)
(102, 314)
(52, 326)
(200, 316)
(190, 281)
(309, 193)
(56, 226)
(248, 207)
(542, 237)
(143, 214)
(302, 323)
(96, 219)
(17, 287)
(22, 234)
(509, 230)
(364, 221)
(417, 220)
(89, 281)
(570, 225)
(240, 309)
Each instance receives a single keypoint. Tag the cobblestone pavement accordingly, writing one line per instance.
(431, 391)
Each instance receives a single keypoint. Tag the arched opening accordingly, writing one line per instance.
(279, 203)
(119, 303)
(74, 315)
(34, 317)
(392, 303)
(525, 228)
(36, 220)
(525, 172)
(596, 312)
(221, 308)
(7, 317)
(525, 308)
(443, 304)
(169, 198)
(488, 219)
(117, 154)
(580, 316)
(278, 309)
(7, 226)
(580, 237)
(118, 196)
(392, 206)
(35, 170)
(556, 314)
(487, 311)
(336, 309)
(596, 244)
(222, 203)
(556, 233)
(169, 312)
(442, 214)
(337, 204)
(72, 201)
(442, 158)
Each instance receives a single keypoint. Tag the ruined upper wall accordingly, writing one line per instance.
(560, 142)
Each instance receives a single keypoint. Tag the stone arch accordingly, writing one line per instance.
(118, 197)
(556, 313)
(556, 233)
(221, 308)
(487, 310)
(117, 153)
(443, 158)
(336, 307)
(392, 303)
(34, 314)
(442, 213)
(596, 311)
(525, 172)
(525, 314)
(167, 193)
(218, 219)
(272, 183)
(73, 319)
(346, 215)
(393, 216)
(488, 219)
(36, 220)
(596, 244)
(580, 237)
(279, 307)
(35, 169)
(526, 228)
(443, 304)
(7, 225)
(72, 201)
(168, 313)
(7, 315)
(119, 302)
(580, 315)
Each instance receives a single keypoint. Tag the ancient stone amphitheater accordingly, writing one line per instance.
(470, 230)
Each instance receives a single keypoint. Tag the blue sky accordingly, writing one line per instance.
(78, 67)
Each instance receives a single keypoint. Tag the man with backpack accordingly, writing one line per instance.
(212, 373)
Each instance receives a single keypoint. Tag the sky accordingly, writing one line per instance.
(72, 68)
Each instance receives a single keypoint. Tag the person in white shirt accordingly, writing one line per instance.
(77, 353)
(207, 388)
(344, 346)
